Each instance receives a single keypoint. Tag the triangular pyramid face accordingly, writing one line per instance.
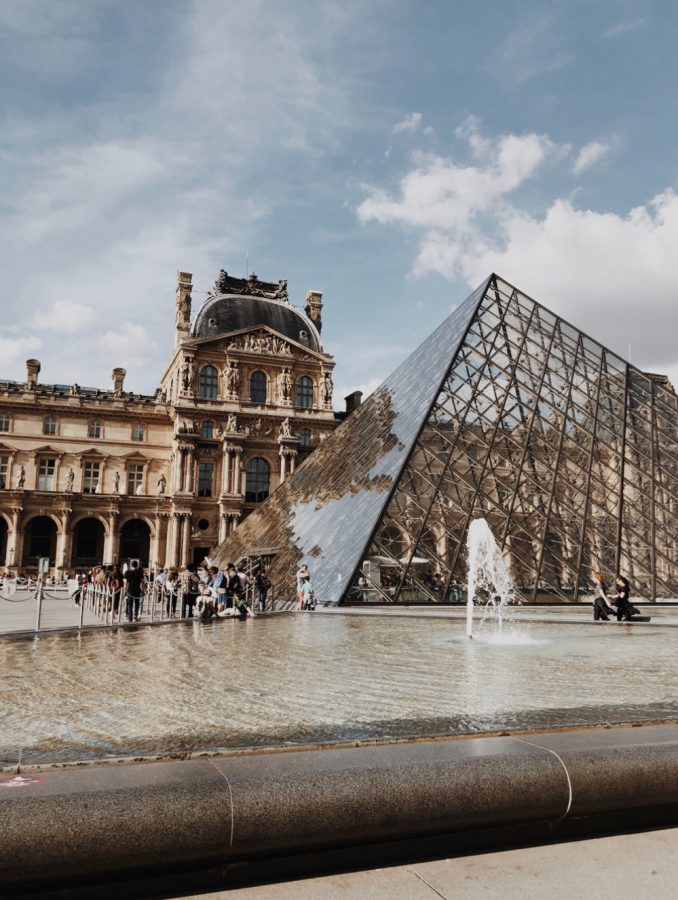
(325, 514)
(505, 412)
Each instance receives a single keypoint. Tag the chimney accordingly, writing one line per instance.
(314, 308)
(353, 401)
(32, 372)
(183, 310)
(118, 381)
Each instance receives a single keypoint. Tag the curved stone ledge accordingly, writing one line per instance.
(146, 818)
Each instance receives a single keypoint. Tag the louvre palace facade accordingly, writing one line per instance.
(92, 476)
(507, 413)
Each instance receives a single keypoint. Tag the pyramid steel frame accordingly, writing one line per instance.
(506, 412)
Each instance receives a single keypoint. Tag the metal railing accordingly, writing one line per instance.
(42, 607)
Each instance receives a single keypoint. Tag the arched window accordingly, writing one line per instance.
(207, 430)
(49, 425)
(258, 480)
(304, 393)
(305, 437)
(258, 388)
(209, 382)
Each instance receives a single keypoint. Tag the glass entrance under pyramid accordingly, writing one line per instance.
(505, 412)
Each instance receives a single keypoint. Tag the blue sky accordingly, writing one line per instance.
(390, 154)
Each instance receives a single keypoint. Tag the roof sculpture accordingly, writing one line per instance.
(505, 412)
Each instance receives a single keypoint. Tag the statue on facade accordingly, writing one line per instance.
(70, 478)
(162, 484)
(21, 478)
(232, 376)
(285, 385)
(285, 429)
(187, 374)
(327, 387)
(116, 483)
(281, 293)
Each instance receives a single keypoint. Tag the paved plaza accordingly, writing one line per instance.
(621, 867)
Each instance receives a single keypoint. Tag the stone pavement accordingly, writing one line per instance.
(622, 867)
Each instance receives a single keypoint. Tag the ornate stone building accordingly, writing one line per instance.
(91, 476)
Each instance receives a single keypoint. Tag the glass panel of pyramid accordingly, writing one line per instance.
(505, 412)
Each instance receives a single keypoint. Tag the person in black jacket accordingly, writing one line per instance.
(621, 600)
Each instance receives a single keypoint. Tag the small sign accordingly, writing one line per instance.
(20, 781)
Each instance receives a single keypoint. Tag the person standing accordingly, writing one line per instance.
(190, 588)
(263, 586)
(133, 578)
(601, 608)
(302, 575)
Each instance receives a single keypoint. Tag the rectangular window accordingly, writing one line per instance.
(46, 473)
(90, 477)
(4, 466)
(94, 430)
(5, 422)
(205, 478)
(49, 426)
(135, 479)
(137, 432)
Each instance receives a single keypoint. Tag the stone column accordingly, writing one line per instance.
(223, 527)
(226, 472)
(232, 521)
(176, 540)
(185, 539)
(63, 543)
(111, 539)
(155, 540)
(236, 471)
(179, 463)
(190, 471)
(170, 542)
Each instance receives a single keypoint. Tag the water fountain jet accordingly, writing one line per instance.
(487, 572)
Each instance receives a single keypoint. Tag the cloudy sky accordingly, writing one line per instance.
(389, 153)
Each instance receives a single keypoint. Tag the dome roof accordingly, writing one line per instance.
(226, 312)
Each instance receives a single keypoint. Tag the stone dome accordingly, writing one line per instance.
(227, 312)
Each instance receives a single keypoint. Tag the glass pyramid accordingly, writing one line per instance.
(505, 412)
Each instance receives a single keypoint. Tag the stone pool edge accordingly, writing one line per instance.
(107, 822)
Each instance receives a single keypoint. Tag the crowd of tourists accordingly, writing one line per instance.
(192, 592)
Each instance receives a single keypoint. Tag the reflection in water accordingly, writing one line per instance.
(292, 679)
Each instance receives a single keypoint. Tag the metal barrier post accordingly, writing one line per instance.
(152, 596)
(39, 593)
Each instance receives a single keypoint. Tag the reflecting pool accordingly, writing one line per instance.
(287, 680)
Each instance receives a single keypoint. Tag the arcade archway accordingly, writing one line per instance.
(135, 541)
(88, 543)
(40, 541)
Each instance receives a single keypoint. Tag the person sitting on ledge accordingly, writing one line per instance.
(601, 608)
(625, 610)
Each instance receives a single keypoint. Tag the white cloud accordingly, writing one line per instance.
(409, 123)
(589, 155)
(127, 345)
(611, 274)
(64, 315)
(623, 27)
(440, 194)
